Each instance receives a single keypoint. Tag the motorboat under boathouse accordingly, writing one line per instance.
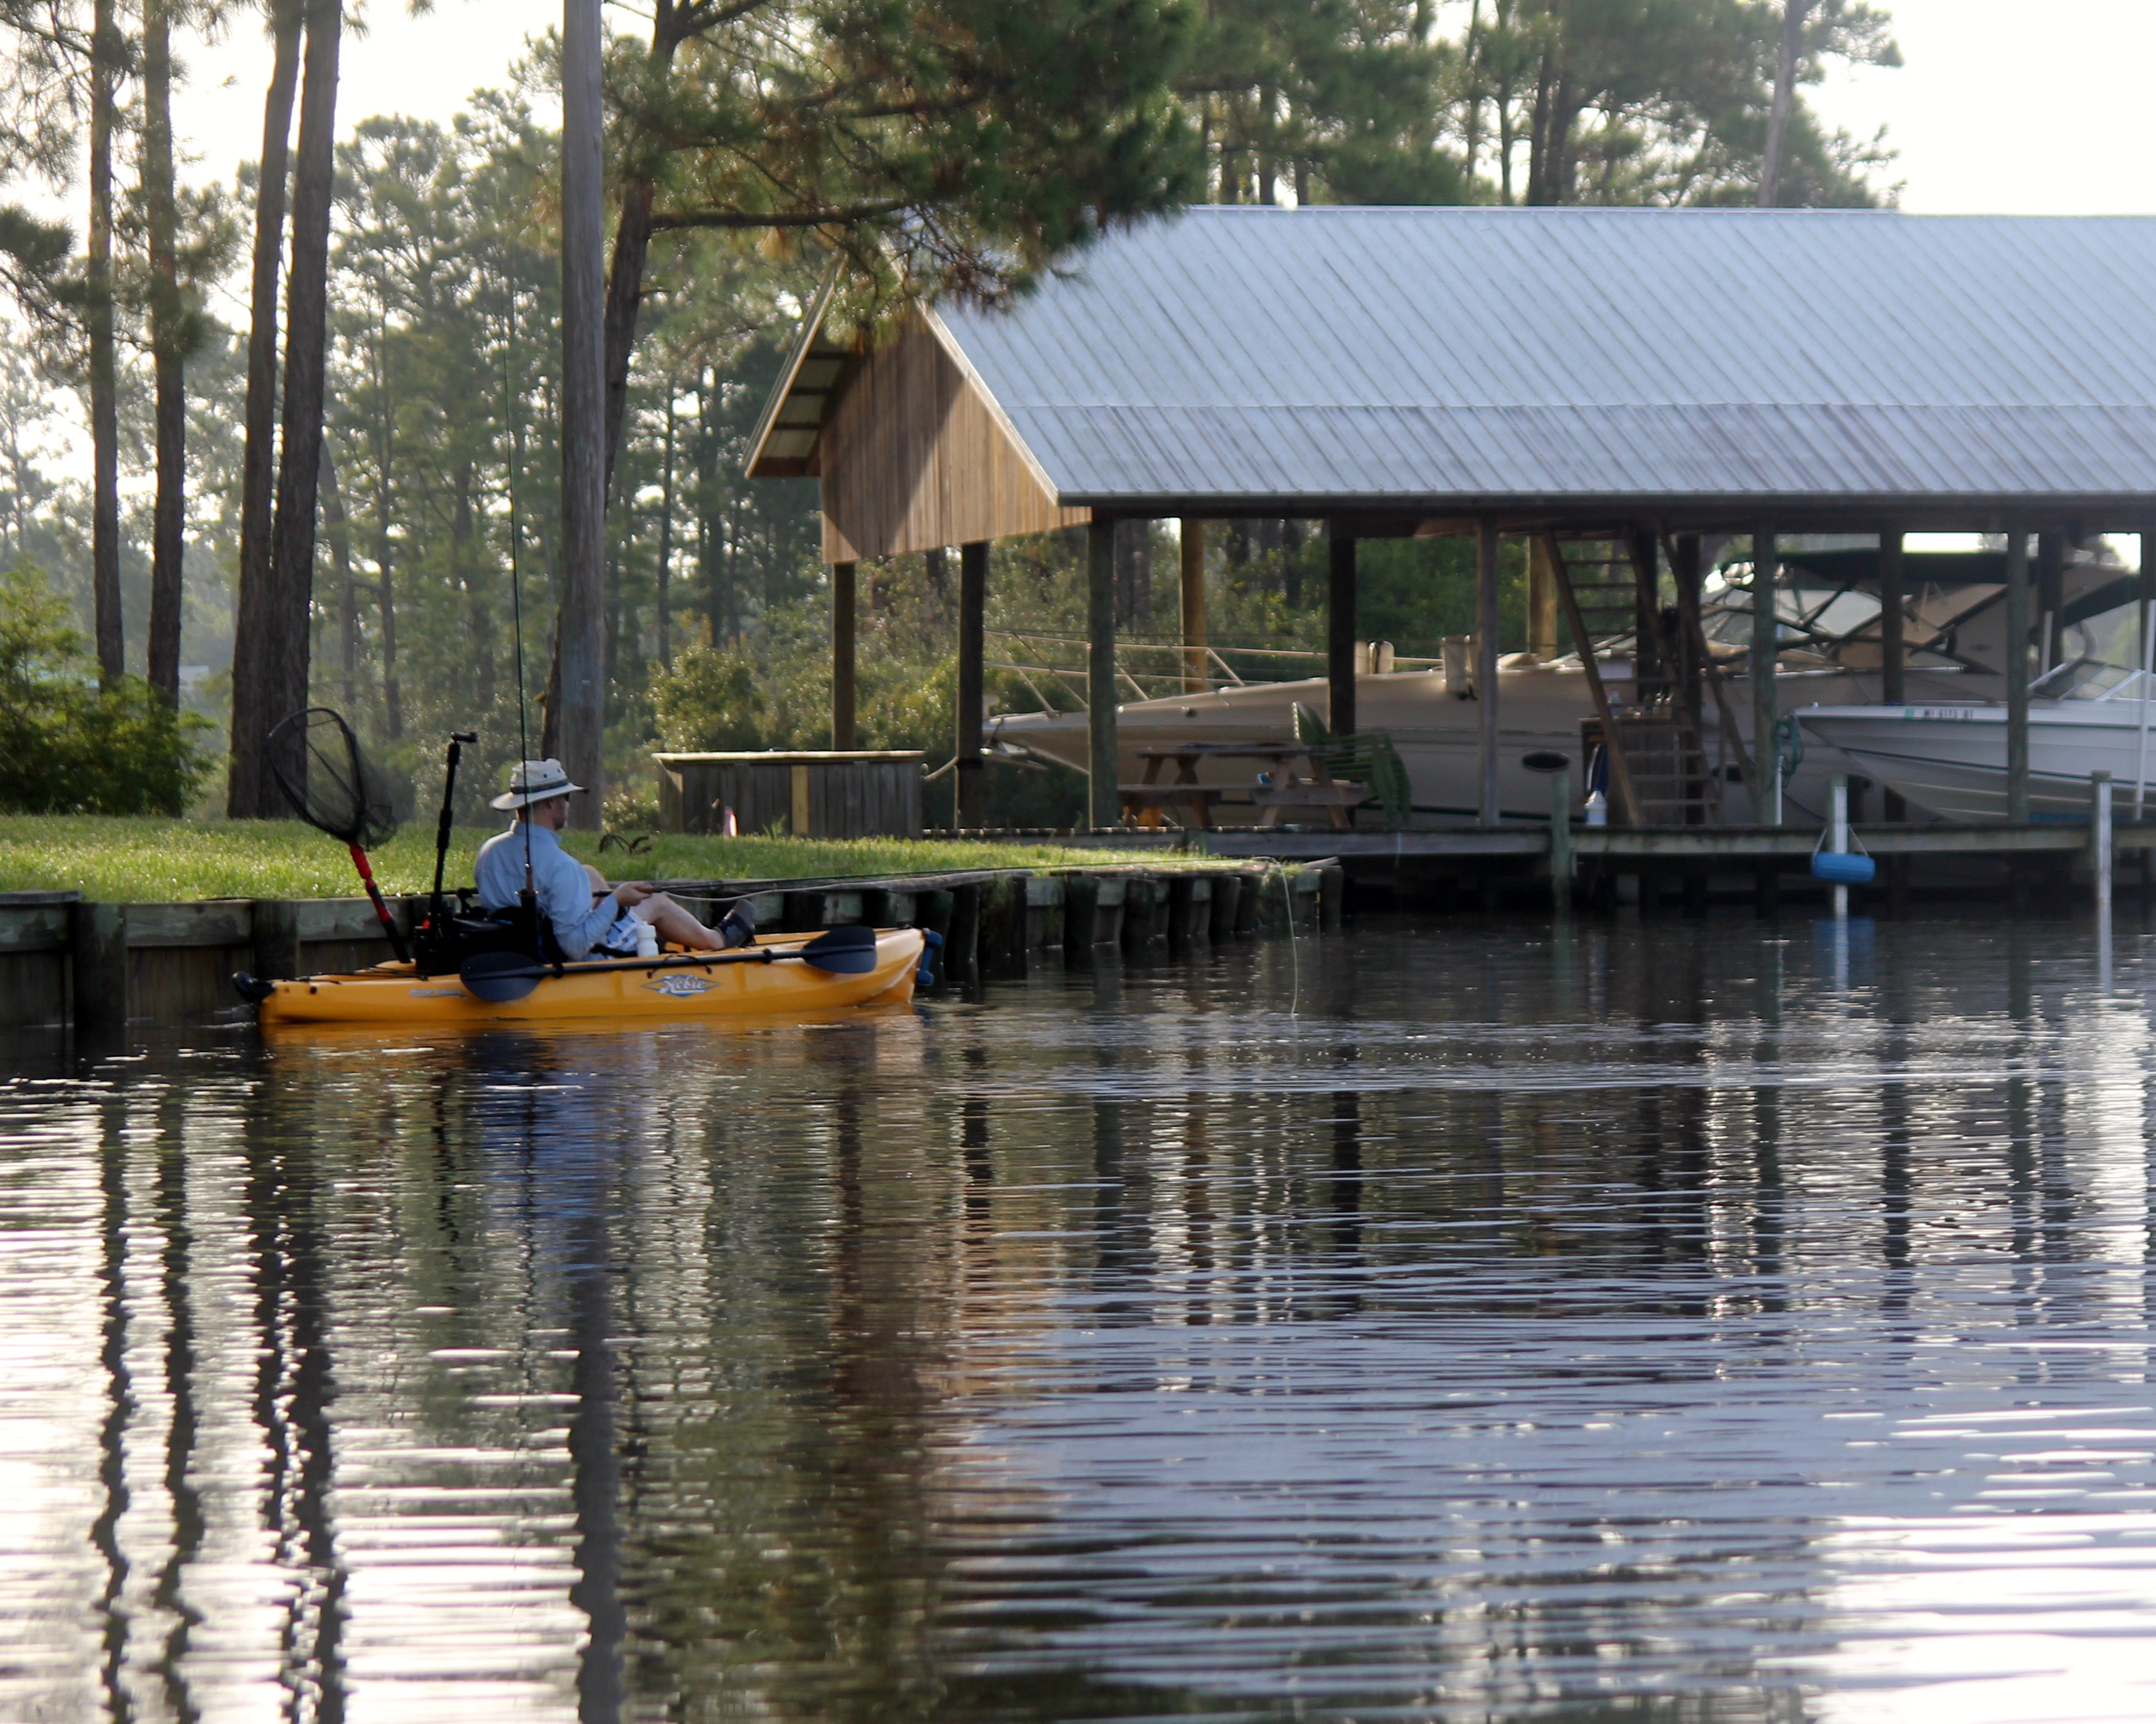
(1623, 387)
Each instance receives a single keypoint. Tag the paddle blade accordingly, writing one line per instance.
(843, 951)
(499, 977)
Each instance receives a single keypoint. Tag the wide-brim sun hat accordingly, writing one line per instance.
(535, 781)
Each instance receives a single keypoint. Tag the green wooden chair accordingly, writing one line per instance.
(1366, 758)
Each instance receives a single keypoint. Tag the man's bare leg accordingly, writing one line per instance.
(676, 926)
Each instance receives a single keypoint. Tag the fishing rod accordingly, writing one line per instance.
(528, 899)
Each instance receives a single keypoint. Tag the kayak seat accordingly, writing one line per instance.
(442, 951)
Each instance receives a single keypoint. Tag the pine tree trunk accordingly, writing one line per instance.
(463, 534)
(624, 298)
(581, 674)
(710, 539)
(665, 619)
(104, 54)
(306, 340)
(169, 344)
(258, 463)
(385, 591)
(338, 525)
(1791, 48)
(393, 691)
(1538, 137)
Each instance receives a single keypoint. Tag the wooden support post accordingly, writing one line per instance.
(842, 656)
(1621, 775)
(1102, 753)
(970, 809)
(1543, 608)
(1560, 852)
(1893, 652)
(1195, 680)
(1650, 676)
(1766, 651)
(1485, 665)
(2017, 676)
(1340, 630)
(1684, 571)
(2145, 642)
(2051, 597)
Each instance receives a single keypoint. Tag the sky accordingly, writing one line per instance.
(2019, 106)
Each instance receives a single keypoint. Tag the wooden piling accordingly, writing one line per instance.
(1102, 753)
(1003, 924)
(1340, 630)
(99, 983)
(1195, 679)
(1561, 859)
(1227, 904)
(276, 934)
(1766, 652)
(1485, 665)
(2017, 681)
(1145, 911)
(961, 943)
(842, 656)
(970, 773)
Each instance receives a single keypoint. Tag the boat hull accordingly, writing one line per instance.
(1951, 760)
(1438, 736)
(675, 989)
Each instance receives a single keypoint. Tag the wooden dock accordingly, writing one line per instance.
(1569, 864)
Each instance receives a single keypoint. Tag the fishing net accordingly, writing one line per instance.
(328, 781)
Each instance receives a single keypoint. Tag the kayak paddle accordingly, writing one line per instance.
(498, 978)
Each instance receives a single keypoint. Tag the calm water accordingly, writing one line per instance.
(1676, 1321)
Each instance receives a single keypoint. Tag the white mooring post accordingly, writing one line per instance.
(1838, 840)
(2100, 844)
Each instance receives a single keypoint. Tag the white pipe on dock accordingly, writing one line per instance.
(2100, 838)
(2140, 746)
(1837, 837)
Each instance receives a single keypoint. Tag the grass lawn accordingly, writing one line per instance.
(115, 861)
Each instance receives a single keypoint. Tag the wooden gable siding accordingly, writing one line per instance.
(915, 455)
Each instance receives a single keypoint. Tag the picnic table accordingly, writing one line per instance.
(1298, 773)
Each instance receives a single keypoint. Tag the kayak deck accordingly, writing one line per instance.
(679, 986)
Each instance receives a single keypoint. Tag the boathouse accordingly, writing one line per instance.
(1641, 377)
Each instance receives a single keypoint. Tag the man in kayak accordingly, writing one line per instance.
(584, 916)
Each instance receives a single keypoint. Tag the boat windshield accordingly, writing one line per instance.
(2089, 679)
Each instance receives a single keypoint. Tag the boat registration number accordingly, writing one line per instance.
(679, 987)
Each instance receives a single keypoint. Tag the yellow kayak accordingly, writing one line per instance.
(682, 985)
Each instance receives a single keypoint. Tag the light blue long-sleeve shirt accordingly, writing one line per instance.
(563, 888)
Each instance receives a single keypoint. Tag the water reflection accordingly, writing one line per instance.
(1720, 1321)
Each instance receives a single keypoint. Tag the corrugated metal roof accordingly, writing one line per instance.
(1455, 357)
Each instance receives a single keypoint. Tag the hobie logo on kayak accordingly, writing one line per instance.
(681, 987)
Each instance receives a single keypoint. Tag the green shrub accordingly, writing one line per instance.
(709, 702)
(66, 747)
